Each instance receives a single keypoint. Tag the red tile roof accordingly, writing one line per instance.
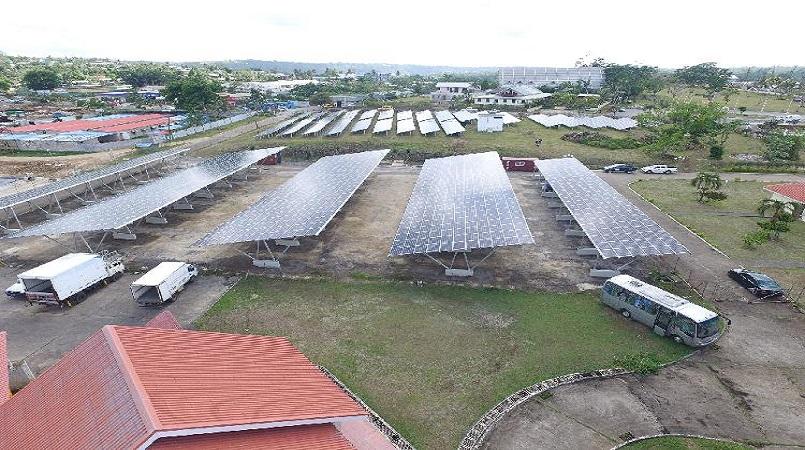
(117, 124)
(125, 386)
(303, 437)
(165, 320)
(4, 389)
(794, 191)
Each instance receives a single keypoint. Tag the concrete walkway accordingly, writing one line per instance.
(750, 386)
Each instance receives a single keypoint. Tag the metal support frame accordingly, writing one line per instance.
(453, 271)
(272, 263)
(127, 235)
(9, 217)
(159, 219)
(609, 273)
(183, 205)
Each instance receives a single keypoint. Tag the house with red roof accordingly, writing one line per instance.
(163, 387)
(791, 193)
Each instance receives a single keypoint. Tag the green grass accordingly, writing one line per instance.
(431, 360)
(752, 101)
(684, 443)
(35, 153)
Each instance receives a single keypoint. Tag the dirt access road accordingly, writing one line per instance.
(749, 386)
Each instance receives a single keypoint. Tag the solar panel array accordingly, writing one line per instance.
(508, 119)
(464, 115)
(321, 123)
(405, 115)
(86, 177)
(282, 125)
(370, 114)
(298, 126)
(461, 203)
(615, 226)
(118, 211)
(427, 124)
(624, 123)
(405, 126)
(449, 123)
(303, 205)
(342, 123)
(383, 126)
(385, 114)
(361, 125)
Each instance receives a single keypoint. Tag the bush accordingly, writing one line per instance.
(756, 238)
(781, 146)
(716, 152)
(595, 139)
(642, 363)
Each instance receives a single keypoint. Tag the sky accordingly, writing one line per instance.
(434, 32)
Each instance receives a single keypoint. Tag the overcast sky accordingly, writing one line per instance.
(432, 32)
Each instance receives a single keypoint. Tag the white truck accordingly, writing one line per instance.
(161, 283)
(68, 279)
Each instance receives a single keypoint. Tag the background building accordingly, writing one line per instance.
(446, 91)
(544, 76)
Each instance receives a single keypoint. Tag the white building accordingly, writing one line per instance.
(490, 122)
(446, 91)
(511, 95)
(551, 76)
(793, 193)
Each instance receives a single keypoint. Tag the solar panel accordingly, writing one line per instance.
(423, 115)
(298, 126)
(465, 116)
(449, 123)
(321, 123)
(382, 126)
(368, 114)
(405, 126)
(442, 116)
(303, 205)
(86, 177)
(508, 118)
(460, 203)
(118, 211)
(361, 125)
(282, 125)
(615, 226)
(385, 114)
(405, 115)
(342, 123)
(428, 126)
(585, 121)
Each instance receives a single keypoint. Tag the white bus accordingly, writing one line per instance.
(667, 314)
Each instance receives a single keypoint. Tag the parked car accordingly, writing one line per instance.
(659, 168)
(761, 285)
(620, 168)
(16, 290)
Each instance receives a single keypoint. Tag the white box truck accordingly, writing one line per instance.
(68, 279)
(161, 283)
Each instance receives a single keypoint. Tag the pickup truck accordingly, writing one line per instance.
(69, 279)
(659, 168)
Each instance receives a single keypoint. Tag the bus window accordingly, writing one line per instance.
(611, 289)
(708, 328)
(686, 325)
(648, 306)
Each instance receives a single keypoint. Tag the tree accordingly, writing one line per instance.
(5, 84)
(41, 79)
(708, 186)
(194, 92)
(781, 146)
(319, 98)
(139, 75)
(687, 126)
(780, 217)
(705, 75)
(626, 82)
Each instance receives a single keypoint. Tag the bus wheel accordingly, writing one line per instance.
(626, 313)
(677, 339)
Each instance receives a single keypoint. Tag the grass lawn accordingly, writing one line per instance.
(35, 153)
(752, 101)
(431, 360)
(683, 443)
(723, 224)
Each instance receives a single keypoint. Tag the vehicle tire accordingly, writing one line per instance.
(626, 313)
(667, 172)
(677, 339)
(117, 276)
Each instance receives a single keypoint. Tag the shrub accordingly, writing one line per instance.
(756, 238)
(716, 152)
(595, 139)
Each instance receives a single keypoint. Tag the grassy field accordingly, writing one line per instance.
(752, 101)
(723, 224)
(35, 153)
(682, 443)
(432, 359)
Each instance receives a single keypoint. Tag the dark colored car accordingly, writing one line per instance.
(760, 285)
(620, 168)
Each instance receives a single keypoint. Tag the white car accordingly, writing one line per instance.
(659, 168)
(16, 290)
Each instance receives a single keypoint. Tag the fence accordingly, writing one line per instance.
(211, 125)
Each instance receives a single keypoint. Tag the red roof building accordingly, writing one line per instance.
(138, 387)
(5, 392)
(112, 125)
(790, 192)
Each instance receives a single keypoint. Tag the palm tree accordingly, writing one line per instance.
(780, 214)
(706, 182)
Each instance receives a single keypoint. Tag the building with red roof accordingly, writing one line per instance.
(161, 387)
(791, 193)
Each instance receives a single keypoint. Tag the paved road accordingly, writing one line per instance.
(750, 386)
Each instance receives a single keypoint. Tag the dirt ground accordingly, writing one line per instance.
(355, 243)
